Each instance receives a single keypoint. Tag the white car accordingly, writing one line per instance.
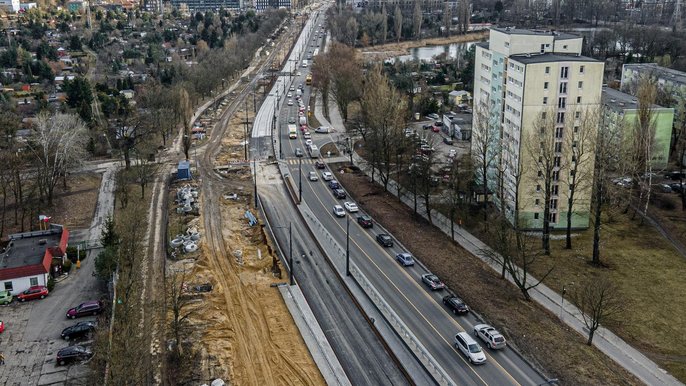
(306, 134)
(327, 176)
(292, 88)
(290, 102)
(313, 176)
(308, 142)
(350, 206)
(494, 340)
(289, 95)
(338, 211)
(470, 348)
(322, 130)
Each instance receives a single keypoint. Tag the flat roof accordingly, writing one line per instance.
(664, 72)
(621, 101)
(29, 248)
(551, 57)
(539, 32)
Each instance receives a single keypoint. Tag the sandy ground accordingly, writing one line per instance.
(242, 328)
(390, 50)
(547, 343)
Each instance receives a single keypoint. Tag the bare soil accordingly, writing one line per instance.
(385, 51)
(537, 333)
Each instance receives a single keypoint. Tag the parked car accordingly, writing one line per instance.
(365, 221)
(427, 127)
(313, 176)
(92, 307)
(350, 206)
(448, 141)
(327, 176)
(469, 348)
(298, 152)
(494, 340)
(333, 184)
(79, 330)
(322, 130)
(405, 259)
(384, 239)
(6, 297)
(339, 193)
(34, 292)
(73, 354)
(433, 116)
(675, 175)
(664, 188)
(338, 211)
(432, 281)
(455, 304)
(319, 165)
(677, 187)
(2, 326)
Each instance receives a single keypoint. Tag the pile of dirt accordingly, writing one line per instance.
(537, 333)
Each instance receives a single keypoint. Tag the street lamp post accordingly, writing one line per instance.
(290, 252)
(254, 167)
(300, 179)
(347, 245)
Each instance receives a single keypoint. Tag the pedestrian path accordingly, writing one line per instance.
(610, 344)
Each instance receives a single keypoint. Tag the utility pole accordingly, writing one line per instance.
(300, 179)
(290, 252)
(347, 245)
(245, 141)
(254, 167)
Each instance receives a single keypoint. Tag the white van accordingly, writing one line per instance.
(470, 348)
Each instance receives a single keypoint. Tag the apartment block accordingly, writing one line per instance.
(521, 79)
(621, 113)
(207, 5)
(673, 82)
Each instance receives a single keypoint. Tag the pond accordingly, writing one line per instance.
(426, 53)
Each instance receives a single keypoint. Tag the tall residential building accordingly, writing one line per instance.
(671, 81)
(531, 86)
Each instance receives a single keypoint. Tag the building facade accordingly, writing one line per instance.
(531, 86)
(672, 82)
(207, 5)
(10, 6)
(621, 111)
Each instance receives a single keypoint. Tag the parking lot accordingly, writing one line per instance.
(32, 332)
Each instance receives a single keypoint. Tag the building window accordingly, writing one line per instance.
(563, 88)
(577, 114)
(538, 202)
(542, 48)
(557, 161)
(558, 132)
(556, 176)
(507, 44)
(543, 115)
(581, 84)
(561, 103)
(558, 147)
(545, 85)
(545, 100)
(578, 100)
(34, 281)
(547, 69)
(564, 72)
(576, 129)
(8, 284)
(535, 216)
(581, 71)
(553, 217)
(540, 173)
(556, 190)
(553, 203)
(564, 47)
(560, 117)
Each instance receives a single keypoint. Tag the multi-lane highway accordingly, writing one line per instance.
(419, 308)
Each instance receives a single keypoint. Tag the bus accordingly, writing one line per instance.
(292, 132)
(308, 80)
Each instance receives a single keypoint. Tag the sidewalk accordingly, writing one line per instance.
(631, 359)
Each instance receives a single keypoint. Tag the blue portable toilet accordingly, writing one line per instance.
(184, 171)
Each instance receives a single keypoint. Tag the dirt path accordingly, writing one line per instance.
(389, 50)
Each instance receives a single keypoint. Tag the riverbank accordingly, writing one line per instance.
(390, 50)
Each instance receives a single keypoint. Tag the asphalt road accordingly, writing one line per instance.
(421, 309)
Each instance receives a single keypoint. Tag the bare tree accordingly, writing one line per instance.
(463, 13)
(145, 168)
(454, 196)
(345, 76)
(58, 144)
(484, 149)
(600, 302)
(179, 304)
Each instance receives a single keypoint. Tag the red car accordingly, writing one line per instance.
(35, 292)
(2, 326)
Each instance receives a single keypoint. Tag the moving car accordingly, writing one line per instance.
(384, 239)
(455, 304)
(79, 330)
(73, 354)
(339, 193)
(289, 95)
(92, 307)
(313, 176)
(333, 184)
(338, 211)
(291, 120)
(319, 165)
(290, 102)
(405, 259)
(494, 340)
(327, 176)
(365, 221)
(299, 153)
(306, 134)
(308, 142)
(34, 292)
(350, 206)
(432, 281)
(5, 297)
(470, 348)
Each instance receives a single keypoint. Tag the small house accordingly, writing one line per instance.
(459, 97)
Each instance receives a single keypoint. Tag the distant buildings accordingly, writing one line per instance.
(621, 111)
(11, 6)
(673, 82)
(207, 5)
(520, 77)
(263, 5)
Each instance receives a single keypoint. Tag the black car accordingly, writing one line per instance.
(426, 127)
(455, 304)
(675, 175)
(384, 239)
(73, 354)
(365, 221)
(339, 193)
(78, 330)
(319, 165)
(334, 184)
(299, 153)
(677, 187)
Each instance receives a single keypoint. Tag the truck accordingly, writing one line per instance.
(304, 63)
(292, 132)
(303, 120)
(299, 92)
(313, 150)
